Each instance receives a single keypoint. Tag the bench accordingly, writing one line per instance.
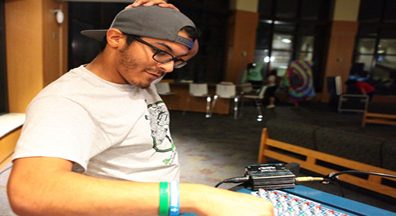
(325, 150)
(380, 110)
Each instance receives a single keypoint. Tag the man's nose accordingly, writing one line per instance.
(167, 67)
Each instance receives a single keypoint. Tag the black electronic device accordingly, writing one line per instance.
(270, 176)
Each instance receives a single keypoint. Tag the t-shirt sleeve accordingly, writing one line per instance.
(56, 127)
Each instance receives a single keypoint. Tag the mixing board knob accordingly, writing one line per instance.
(293, 202)
(271, 195)
(304, 206)
(296, 210)
(278, 209)
(316, 209)
(330, 213)
(285, 206)
(281, 198)
(292, 213)
(261, 192)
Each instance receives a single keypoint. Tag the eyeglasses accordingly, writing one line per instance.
(163, 56)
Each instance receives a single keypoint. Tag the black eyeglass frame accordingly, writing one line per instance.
(157, 50)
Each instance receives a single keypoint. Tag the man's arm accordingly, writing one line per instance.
(47, 186)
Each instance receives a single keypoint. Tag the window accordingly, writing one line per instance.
(366, 49)
(295, 32)
(283, 11)
(282, 50)
(305, 48)
(375, 45)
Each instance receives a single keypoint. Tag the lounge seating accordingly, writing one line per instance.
(325, 151)
(381, 110)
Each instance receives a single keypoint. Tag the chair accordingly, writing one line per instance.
(258, 99)
(246, 88)
(351, 101)
(227, 91)
(199, 90)
(163, 89)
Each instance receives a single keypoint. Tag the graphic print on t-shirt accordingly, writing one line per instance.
(159, 123)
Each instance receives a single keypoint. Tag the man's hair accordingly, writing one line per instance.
(191, 32)
(251, 66)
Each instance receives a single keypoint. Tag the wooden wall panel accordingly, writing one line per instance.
(54, 49)
(36, 48)
(242, 28)
(24, 44)
(339, 59)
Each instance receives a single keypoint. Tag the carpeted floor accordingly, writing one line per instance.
(211, 150)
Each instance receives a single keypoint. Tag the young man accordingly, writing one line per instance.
(97, 140)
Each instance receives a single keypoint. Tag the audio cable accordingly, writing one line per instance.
(234, 180)
(309, 178)
(334, 176)
(331, 177)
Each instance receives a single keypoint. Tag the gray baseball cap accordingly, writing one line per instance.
(149, 21)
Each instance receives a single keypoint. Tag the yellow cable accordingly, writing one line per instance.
(309, 178)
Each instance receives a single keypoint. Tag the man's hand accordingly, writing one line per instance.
(160, 3)
(213, 201)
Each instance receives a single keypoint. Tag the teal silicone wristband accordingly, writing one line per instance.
(164, 199)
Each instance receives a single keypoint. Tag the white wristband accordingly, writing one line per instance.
(174, 199)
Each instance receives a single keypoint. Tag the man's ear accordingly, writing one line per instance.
(114, 37)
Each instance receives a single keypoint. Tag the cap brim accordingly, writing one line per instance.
(95, 34)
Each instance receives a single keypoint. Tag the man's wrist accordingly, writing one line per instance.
(199, 203)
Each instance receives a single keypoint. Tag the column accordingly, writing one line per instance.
(342, 42)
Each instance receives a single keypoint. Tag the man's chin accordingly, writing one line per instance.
(141, 84)
(144, 85)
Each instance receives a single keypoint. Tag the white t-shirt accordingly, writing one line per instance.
(108, 130)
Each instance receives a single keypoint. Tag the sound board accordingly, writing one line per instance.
(304, 201)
